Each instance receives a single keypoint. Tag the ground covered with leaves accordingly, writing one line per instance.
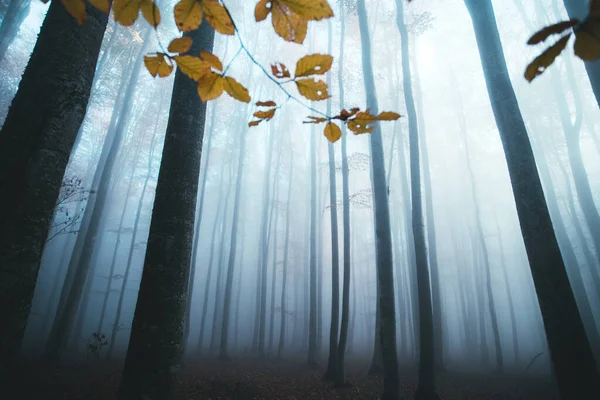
(249, 379)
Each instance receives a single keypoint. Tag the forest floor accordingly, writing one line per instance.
(249, 379)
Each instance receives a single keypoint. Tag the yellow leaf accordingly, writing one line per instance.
(280, 71)
(268, 114)
(332, 132)
(263, 8)
(218, 17)
(314, 10)
(180, 45)
(77, 9)
(266, 103)
(553, 29)
(211, 60)
(314, 120)
(158, 65)
(312, 89)
(544, 60)
(192, 66)
(102, 5)
(289, 25)
(188, 15)
(388, 116)
(254, 123)
(359, 127)
(236, 90)
(150, 12)
(587, 40)
(313, 64)
(127, 11)
(210, 86)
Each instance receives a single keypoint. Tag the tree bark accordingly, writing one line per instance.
(571, 355)
(155, 346)
(35, 144)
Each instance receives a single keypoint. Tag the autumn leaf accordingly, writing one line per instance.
(192, 66)
(359, 127)
(188, 15)
(332, 132)
(266, 115)
(218, 17)
(126, 11)
(313, 64)
(180, 45)
(287, 24)
(314, 120)
(212, 60)
(77, 9)
(236, 90)
(263, 8)
(254, 123)
(544, 60)
(280, 71)
(388, 116)
(102, 5)
(266, 103)
(314, 10)
(312, 89)
(158, 65)
(553, 29)
(210, 86)
(345, 114)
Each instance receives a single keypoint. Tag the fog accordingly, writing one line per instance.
(260, 189)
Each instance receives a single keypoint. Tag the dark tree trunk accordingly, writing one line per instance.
(383, 235)
(426, 388)
(35, 145)
(312, 357)
(155, 346)
(571, 355)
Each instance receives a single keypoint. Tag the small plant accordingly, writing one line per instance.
(95, 343)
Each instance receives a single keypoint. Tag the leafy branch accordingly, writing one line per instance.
(290, 21)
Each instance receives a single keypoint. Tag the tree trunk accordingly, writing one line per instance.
(15, 15)
(426, 388)
(572, 359)
(35, 144)
(383, 236)
(155, 346)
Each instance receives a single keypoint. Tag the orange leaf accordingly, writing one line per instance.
(313, 64)
(158, 65)
(314, 120)
(254, 123)
(332, 132)
(268, 114)
(210, 86)
(212, 60)
(236, 90)
(218, 17)
(388, 116)
(312, 89)
(192, 66)
(180, 45)
(266, 103)
(188, 15)
(280, 71)
(263, 8)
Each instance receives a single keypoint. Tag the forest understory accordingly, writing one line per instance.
(251, 378)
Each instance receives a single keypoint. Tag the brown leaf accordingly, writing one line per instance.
(188, 15)
(314, 120)
(192, 66)
(388, 116)
(553, 29)
(345, 114)
(266, 103)
(180, 45)
(332, 132)
(158, 64)
(263, 8)
(313, 64)
(212, 60)
(210, 86)
(280, 71)
(312, 89)
(218, 17)
(254, 123)
(236, 90)
(544, 60)
(287, 24)
(267, 115)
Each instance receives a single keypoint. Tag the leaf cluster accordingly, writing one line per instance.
(586, 46)
(290, 20)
